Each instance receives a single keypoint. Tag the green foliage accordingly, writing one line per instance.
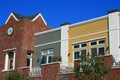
(94, 68)
(15, 75)
(56, 58)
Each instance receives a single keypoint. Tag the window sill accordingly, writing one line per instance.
(7, 70)
(50, 63)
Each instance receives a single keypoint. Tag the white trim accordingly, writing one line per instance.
(41, 17)
(14, 60)
(89, 34)
(47, 31)
(9, 49)
(89, 40)
(88, 21)
(6, 61)
(47, 43)
(11, 14)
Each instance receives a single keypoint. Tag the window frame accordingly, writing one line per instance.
(47, 55)
(7, 66)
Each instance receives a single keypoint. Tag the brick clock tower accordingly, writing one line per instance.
(17, 42)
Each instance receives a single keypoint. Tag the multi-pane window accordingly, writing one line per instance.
(10, 60)
(29, 59)
(97, 51)
(47, 56)
(90, 48)
(79, 53)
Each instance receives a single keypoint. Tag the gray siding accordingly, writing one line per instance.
(48, 37)
(43, 39)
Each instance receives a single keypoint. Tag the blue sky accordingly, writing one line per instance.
(56, 12)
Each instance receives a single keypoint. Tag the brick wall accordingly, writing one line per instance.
(50, 71)
(22, 39)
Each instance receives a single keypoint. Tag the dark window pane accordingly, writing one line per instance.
(43, 60)
(101, 51)
(28, 62)
(76, 54)
(76, 46)
(101, 41)
(11, 54)
(93, 52)
(49, 59)
(11, 64)
(83, 45)
(93, 43)
(83, 53)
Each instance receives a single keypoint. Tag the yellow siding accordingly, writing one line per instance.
(85, 32)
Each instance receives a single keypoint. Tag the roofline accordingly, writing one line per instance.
(11, 14)
(88, 21)
(47, 31)
(41, 17)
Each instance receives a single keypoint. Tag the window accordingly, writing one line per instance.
(101, 50)
(83, 53)
(97, 51)
(83, 45)
(29, 59)
(47, 56)
(93, 52)
(101, 41)
(76, 46)
(93, 43)
(10, 60)
(76, 55)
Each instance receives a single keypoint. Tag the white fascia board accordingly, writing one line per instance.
(88, 21)
(47, 31)
(40, 15)
(11, 14)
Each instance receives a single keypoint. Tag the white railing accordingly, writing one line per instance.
(35, 72)
(66, 69)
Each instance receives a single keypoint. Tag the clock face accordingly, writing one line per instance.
(10, 30)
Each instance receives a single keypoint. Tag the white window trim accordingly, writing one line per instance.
(47, 55)
(6, 61)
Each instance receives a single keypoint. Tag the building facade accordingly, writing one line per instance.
(28, 43)
(17, 42)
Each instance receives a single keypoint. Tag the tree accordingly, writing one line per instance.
(15, 75)
(92, 68)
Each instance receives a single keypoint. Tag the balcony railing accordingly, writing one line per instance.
(66, 69)
(35, 72)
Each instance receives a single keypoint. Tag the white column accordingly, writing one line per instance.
(14, 60)
(114, 35)
(6, 61)
(64, 45)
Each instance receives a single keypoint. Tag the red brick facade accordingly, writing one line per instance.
(22, 40)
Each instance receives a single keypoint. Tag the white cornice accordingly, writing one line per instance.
(88, 21)
(40, 15)
(9, 49)
(11, 14)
